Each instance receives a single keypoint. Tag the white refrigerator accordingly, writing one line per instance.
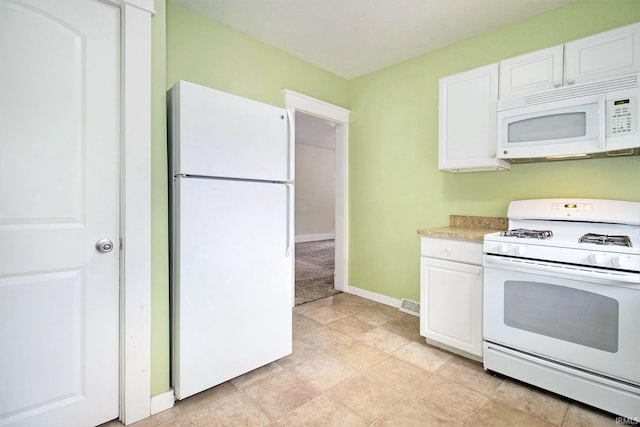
(232, 237)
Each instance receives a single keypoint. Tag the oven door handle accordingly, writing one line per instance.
(538, 266)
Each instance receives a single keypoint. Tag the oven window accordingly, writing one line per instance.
(553, 126)
(564, 313)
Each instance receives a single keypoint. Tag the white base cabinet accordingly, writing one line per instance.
(451, 295)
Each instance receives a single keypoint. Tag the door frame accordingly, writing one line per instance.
(295, 101)
(135, 208)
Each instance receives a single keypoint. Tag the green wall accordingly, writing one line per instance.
(159, 211)
(395, 187)
(206, 52)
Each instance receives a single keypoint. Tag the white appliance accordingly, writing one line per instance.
(594, 119)
(232, 236)
(562, 300)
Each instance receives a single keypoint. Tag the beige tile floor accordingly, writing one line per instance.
(359, 363)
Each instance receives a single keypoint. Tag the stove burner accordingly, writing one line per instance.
(605, 239)
(528, 234)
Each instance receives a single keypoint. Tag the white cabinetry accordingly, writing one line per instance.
(597, 57)
(467, 102)
(467, 124)
(451, 295)
(603, 55)
(531, 72)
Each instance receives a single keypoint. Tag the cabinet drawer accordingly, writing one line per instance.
(452, 250)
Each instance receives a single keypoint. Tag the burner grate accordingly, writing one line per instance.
(523, 233)
(605, 239)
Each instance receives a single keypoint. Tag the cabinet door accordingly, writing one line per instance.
(467, 121)
(603, 55)
(532, 72)
(451, 297)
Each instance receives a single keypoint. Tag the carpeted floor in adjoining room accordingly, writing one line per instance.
(315, 263)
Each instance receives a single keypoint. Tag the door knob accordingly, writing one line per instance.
(104, 245)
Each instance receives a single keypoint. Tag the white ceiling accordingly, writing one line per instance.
(354, 37)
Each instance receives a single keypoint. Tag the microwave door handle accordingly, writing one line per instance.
(603, 121)
(531, 266)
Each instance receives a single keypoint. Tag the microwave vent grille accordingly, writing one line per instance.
(568, 92)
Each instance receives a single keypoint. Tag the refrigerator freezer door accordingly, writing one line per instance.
(222, 135)
(232, 280)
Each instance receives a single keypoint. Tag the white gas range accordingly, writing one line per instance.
(562, 300)
(596, 234)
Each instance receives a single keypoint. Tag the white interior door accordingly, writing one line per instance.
(59, 192)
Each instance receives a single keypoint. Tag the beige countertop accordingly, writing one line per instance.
(470, 228)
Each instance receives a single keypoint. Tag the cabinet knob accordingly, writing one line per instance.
(570, 81)
(447, 250)
(557, 84)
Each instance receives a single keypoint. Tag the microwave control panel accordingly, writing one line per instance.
(621, 116)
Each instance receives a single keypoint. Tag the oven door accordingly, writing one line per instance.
(582, 318)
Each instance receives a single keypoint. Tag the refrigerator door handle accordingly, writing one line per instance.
(290, 216)
(291, 143)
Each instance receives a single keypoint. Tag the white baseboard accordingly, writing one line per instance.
(314, 237)
(382, 299)
(162, 402)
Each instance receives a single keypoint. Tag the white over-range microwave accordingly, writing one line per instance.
(596, 119)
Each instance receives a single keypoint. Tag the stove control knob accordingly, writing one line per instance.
(621, 261)
(520, 250)
(597, 258)
(503, 248)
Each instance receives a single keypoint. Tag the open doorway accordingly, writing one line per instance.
(321, 188)
(315, 169)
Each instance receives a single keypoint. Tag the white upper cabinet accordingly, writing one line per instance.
(603, 55)
(531, 72)
(467, 103)
(467, 121)
(597, 57)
